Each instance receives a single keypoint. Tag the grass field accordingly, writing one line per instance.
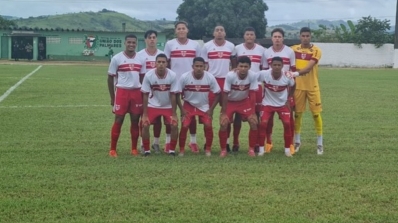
(54, 164)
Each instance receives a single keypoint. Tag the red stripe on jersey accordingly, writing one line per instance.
(161, 87)
(253, 58)
(285, 60)
(303, 56)
(237, 87)
(129, 67)
(275, 88)
(219, 55)
(150, 64)
(183, 53)
(197, 88)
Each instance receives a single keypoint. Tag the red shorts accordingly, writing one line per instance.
(212, 96)
(268, 111)
(127, 101)
(240, 107)
(192, 112)
(259, 98)
(154, 113)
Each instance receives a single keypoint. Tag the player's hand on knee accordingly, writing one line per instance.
(210, 113)
(174, 121)
(145, 121)
(224, 120)
(252, 119)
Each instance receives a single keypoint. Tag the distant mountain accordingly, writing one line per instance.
(9, 17)
(313, 24)
(104, 20)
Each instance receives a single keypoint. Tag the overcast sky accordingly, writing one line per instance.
(280, 11)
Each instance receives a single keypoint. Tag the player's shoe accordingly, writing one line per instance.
(112, 153)
(319, 150)
(256, 148)
(182, 152)
(166, 147)
(297, 146)
(268, 148)
(208, 152)
(287, 152)
(228, 148)
(223, 153)
(172, 153)
(142, 150)
(292, 150)
(260, 153)
(235, 148)
(194, 147)
(147, 153)
(156, 148)
(134, 152)
(251, 152)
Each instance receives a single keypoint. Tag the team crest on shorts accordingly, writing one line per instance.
(197, 87)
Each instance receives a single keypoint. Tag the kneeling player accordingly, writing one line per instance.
(195, 87)
(161, 84)
(276, 85)
(239, 98)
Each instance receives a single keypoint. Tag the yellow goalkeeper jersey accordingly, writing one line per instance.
(309, 82)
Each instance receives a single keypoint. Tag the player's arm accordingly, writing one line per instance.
(173, 97)
(314, 60)
(111, 88)
(252, 90)
(167, 52)
(234, 59)
(145, 89)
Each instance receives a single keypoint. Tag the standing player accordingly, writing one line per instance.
(159, 87)
(286, 53)
(125, 68)
(255, 52)
(239, 98)
(181, 51)
(307, 57)
(277, 88)
(150, 53)
(219, 55)
(195, 87)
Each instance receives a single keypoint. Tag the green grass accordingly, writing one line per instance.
(54, 165)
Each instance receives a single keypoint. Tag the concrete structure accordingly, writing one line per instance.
(67, 44)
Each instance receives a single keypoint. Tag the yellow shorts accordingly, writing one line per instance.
(314, 99)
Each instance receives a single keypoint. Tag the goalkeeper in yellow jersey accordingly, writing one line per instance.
(307, 87)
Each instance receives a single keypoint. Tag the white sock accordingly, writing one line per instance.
(156, 141)
(287, 150)
(141, 142)
(193, 138)
(227, 140)
(261, 149)
(320, 141)
(297, 138)
(168, 137)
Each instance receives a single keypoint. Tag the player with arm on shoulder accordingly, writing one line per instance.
(239, 98)
(278, 87)
(279, 49)
(307, 59)
(195, 86)
(181, 51)
(219, 54)
(125, 68)
(159, 89)
(149, 54)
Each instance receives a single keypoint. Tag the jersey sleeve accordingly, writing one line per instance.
(112, 70)
(174, 84)
(214, 85)
(233, 51)
(265, 61)
(204, 54)
(291, 82)
(167, 50)
(181, 84)
(146, 85)
(261, 76)
(316, 56)
(292, 58)
(253, 82)
(227, 83)
(198, 50)
(143, 65)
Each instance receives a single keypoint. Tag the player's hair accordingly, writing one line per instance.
(130, 36)
(180, 22)
(161, 55)
(250, 29)
(244, 59)
(150, 32)
(277, 59)
(279, 30)
(198, 59)
(305, 30)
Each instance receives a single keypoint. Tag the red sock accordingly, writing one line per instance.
(135, 133)
(223, 139)
(192, 126)
(173, 144)
(115, 133)
(157, 128)
(209, 137)
(168, 129)
(237, 128)
(253, 136)
(269, 130)
(182, 137)
(286, 134)
(262, 128)
(146, 143)
(292, 126)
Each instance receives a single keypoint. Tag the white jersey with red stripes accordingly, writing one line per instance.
(150, 59)
(218, 57)
(159, 89)
(237, 88)
(275, 90)
(287, 55)
(181, 55)
(127, 70)
(255, 54)
(196, 91)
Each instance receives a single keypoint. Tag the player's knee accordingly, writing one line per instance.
(224, 126)
(316, 115)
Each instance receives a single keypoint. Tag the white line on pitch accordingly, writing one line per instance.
(54, 106)
(8, 92)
